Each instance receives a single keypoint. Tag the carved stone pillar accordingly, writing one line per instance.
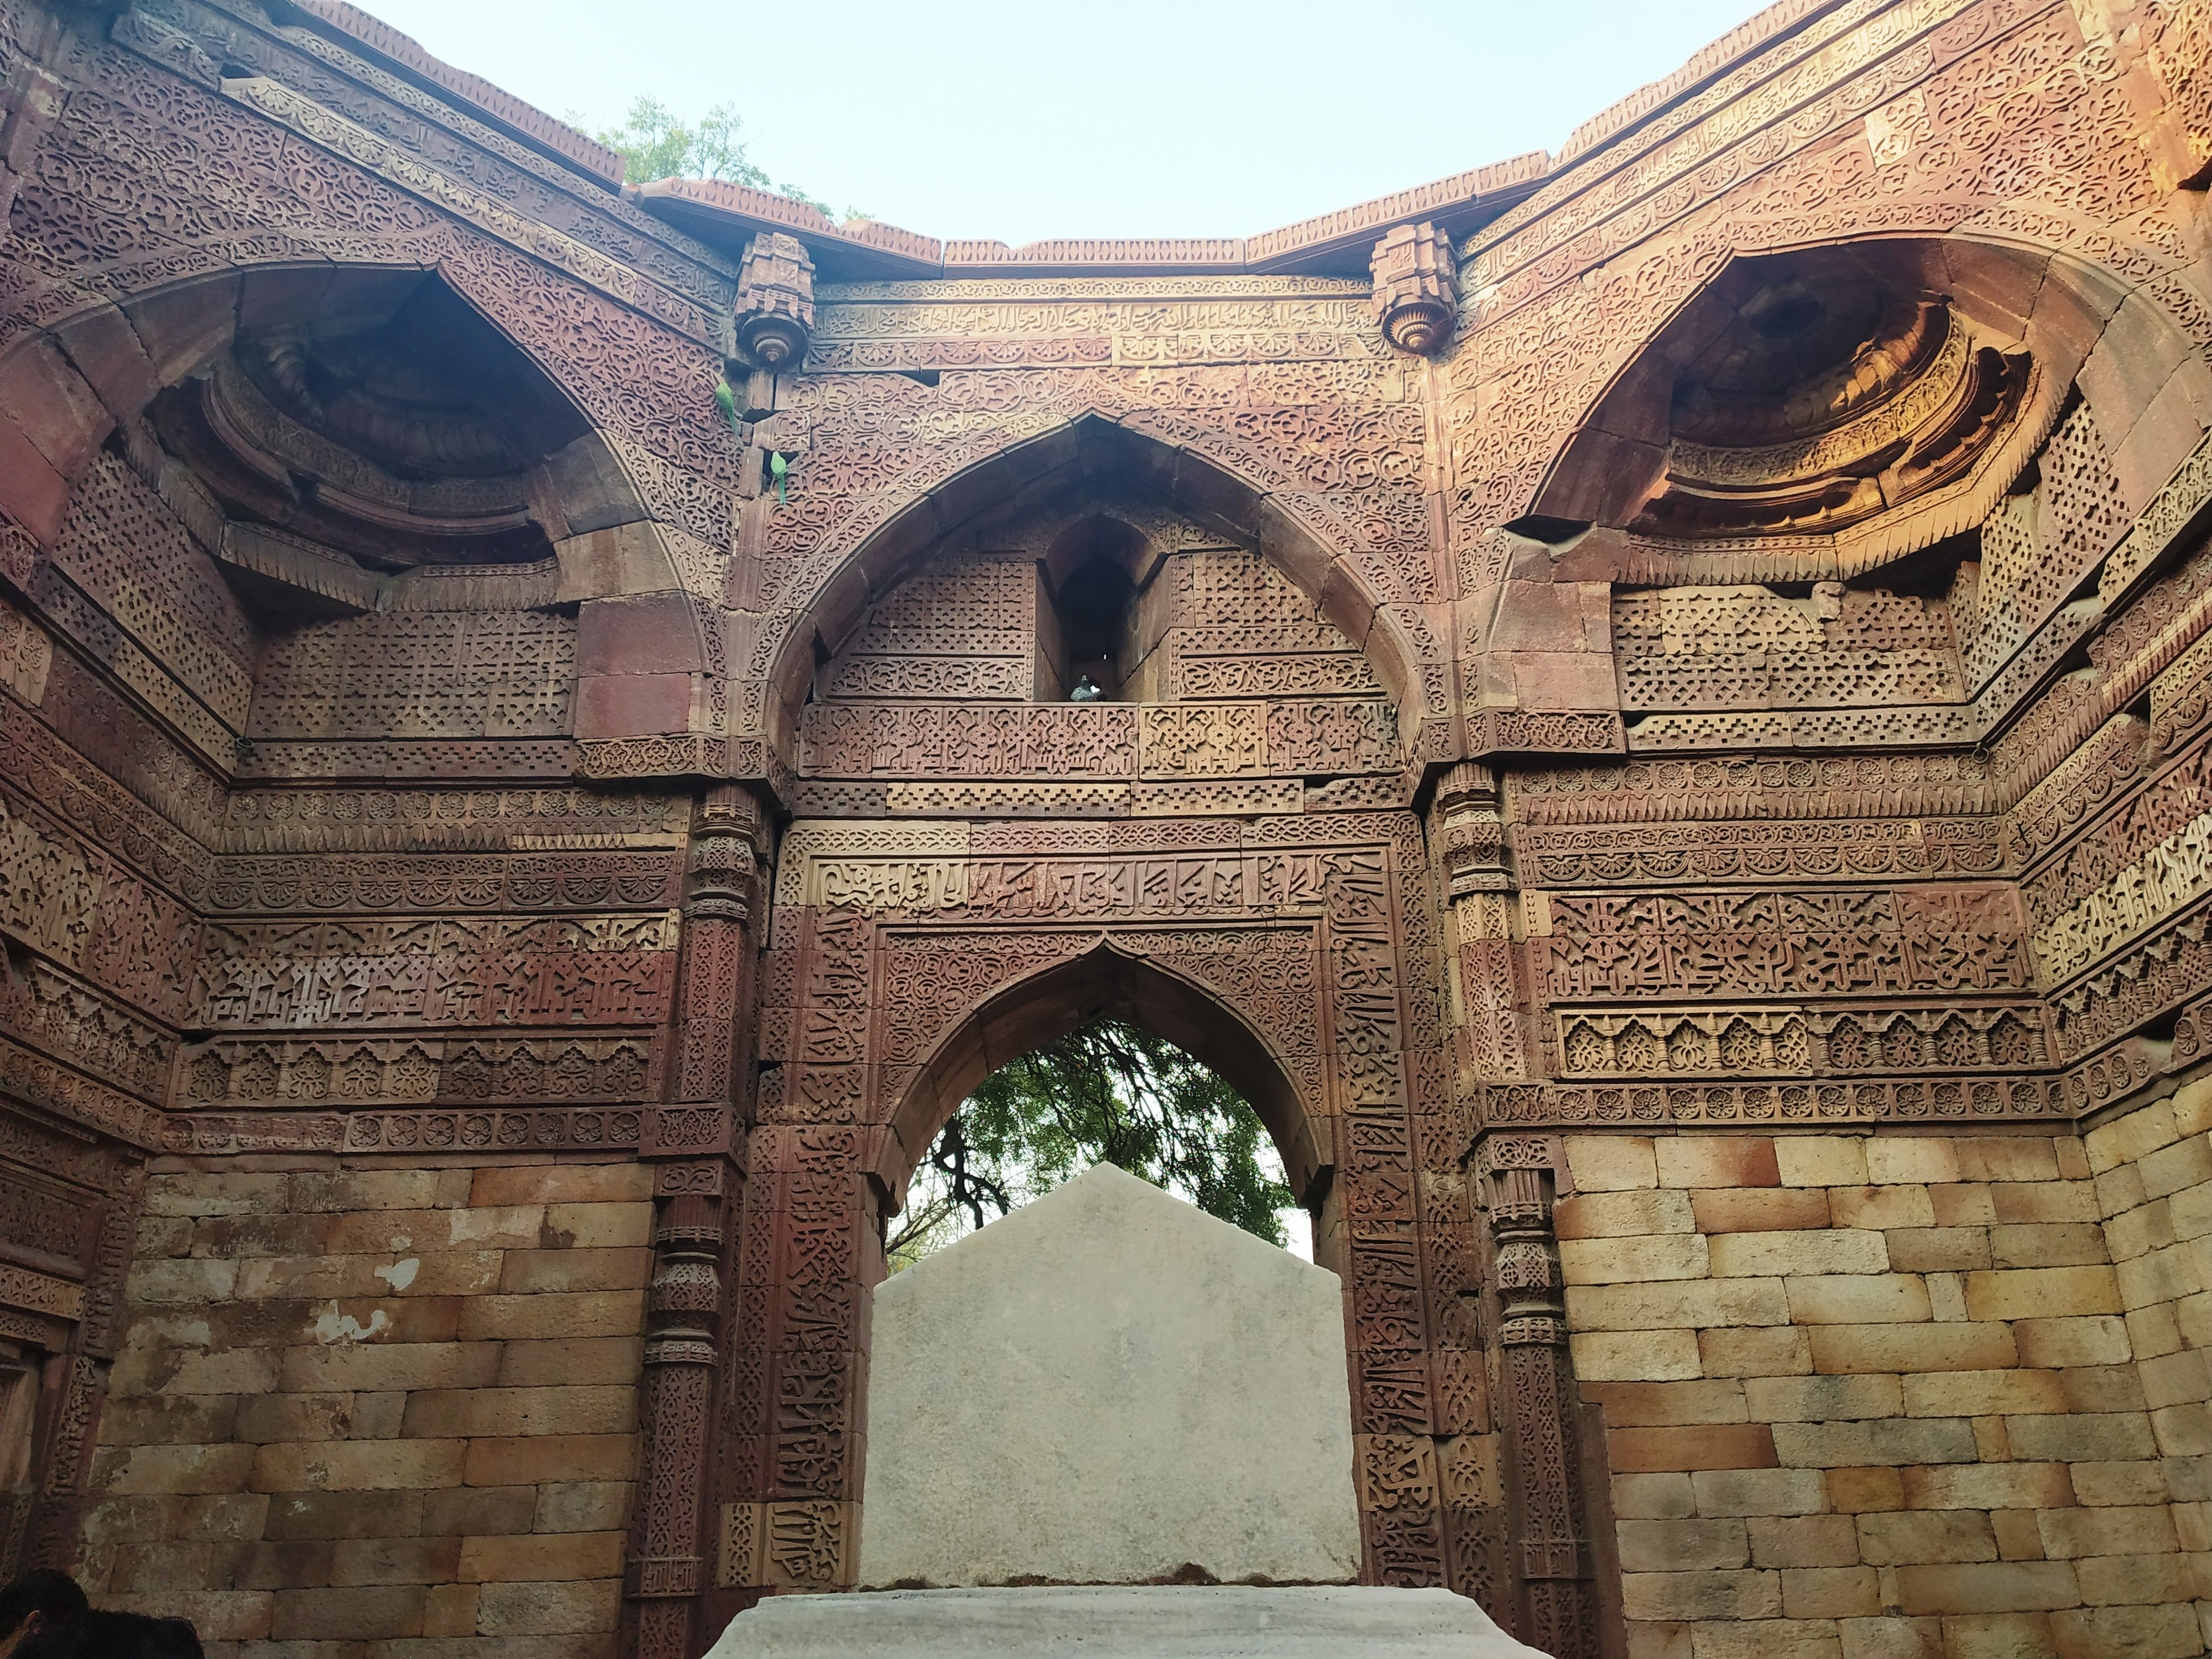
(687, 1304)
(1489, 1042)
(729, 843)
(684, 1312)
(1548, 1536)
(1542, 1574)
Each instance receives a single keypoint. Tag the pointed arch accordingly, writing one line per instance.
(1240, 496)
(2077, 329)
(67, 387)
(1112, 979)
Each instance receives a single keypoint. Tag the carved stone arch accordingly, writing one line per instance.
(1113, 977)
(2075, 332)
(1245, 501)
(67, 388)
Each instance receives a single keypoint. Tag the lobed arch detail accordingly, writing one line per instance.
(2082, 331)
(68, 388)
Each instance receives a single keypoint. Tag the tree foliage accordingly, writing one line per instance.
(658, 145)
(1108, 1091)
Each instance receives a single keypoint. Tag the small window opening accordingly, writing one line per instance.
(1095, 607)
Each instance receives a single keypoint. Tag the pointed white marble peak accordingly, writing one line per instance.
(1108, 1387)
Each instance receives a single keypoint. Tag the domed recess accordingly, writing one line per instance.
(1799, 395)
(378, 414)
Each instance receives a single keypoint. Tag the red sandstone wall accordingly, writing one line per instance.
(1821, 820)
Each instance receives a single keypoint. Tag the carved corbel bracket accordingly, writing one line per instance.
(776, 302)
(1416, 289)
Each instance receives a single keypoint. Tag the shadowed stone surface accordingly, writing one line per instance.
(1108, 1622)
(1108, 1386)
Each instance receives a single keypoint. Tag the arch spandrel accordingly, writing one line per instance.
(648, 505)
(1938, 418)
(621, 516)
(981, 478)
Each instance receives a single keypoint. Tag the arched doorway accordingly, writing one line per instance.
(1106, 982)
(1130, 1345)
(1294, 955)
(1111, 1091)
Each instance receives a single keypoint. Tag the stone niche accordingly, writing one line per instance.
(1109, 1386)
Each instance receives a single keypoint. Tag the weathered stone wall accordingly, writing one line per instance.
(378, 1404)
(1874, 1395)
(1501, 781)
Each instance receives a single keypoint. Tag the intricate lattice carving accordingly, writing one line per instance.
(1746, 647)
(419, 675)
(1814, 943)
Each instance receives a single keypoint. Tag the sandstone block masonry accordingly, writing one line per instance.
(388, 1405)
(1903, 1394)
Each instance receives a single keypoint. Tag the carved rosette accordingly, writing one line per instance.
(776, 300)
(1416, 289)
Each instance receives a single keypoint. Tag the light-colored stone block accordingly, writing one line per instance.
(1756, 1351)
(1636, 1356)
(1858, 1299)
(1717, 1161)
(1158, 1621)
(1624, 1214)
(1914, 1348)
(1680, 1304)
(1908, 1159)
(2042, 1293)
(1621, 1261)
(1611, 1163)
(1882, 1206)
(1821, 1399)
(1107, 1387)
(1760, 1491)
(1831, 1250)
(1821, 1160)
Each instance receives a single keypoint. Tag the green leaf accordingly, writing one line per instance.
(1108, 1091)
(657, 145)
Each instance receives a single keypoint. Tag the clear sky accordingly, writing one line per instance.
(1120, 118)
